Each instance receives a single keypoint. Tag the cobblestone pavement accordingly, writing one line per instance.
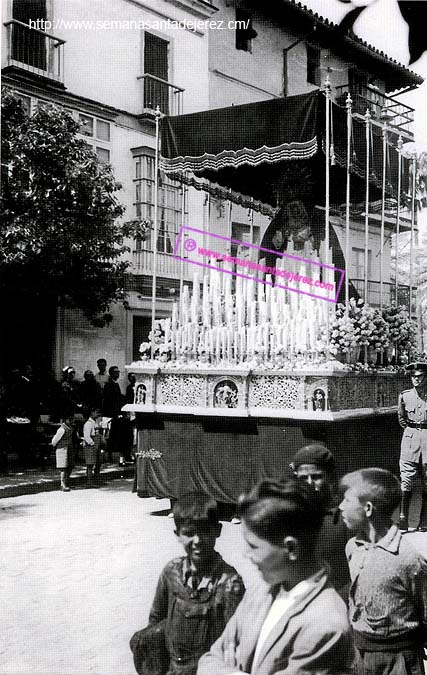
(78, 576)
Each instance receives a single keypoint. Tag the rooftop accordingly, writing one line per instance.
(344, 43)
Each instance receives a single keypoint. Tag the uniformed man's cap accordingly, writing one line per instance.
(417, 367)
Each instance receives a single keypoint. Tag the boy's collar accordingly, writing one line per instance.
(390, 542)
(188, 568)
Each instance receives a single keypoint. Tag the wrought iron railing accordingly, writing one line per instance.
(382, 107)
(157, 92)
(389, 294)
(166, 265)
(35, 51)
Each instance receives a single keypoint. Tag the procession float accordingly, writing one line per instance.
(250, 366)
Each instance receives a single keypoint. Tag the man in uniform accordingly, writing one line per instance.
(412, 412)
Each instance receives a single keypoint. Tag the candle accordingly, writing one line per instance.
(266, 341)
(167, 330)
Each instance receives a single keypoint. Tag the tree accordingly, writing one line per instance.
(61, 235)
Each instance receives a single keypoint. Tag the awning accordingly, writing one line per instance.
(247, 149)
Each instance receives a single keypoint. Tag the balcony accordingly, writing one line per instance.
(389, 293)
(35, 51)
(157, 92)
(167, 266)
(383, 108)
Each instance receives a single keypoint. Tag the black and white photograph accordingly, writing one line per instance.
(213, 345)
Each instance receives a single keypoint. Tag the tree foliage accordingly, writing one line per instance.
(61, 236)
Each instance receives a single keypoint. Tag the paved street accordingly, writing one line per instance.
(78, 576)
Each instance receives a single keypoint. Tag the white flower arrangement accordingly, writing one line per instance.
(144, 348)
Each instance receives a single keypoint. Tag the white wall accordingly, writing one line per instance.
(260, 74)
(104, 64)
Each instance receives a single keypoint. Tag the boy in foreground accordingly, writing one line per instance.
(388, 594)
(197, 594)
(295, 623)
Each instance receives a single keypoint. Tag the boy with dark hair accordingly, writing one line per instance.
(388, 595)
(295, 623)
(196, 594)
(314, 465)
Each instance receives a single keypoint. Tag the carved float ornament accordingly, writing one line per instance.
(182, 390)
(226, 394)
(317, 396)
(144, 390)
(274, 391)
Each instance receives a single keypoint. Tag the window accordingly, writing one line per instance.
(141, 328)
(92, 126)
(313, 65)
(103, 155)
(156, 88)
(169, 205)
(103, 130)
(29, 46)
(357, 82)
(86, 125)
(244, 30)
(358, 255)
(98, 130)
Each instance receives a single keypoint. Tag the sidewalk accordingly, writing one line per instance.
(29, 481)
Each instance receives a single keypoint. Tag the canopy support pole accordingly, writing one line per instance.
(348, 105)
(181, 268)
(411, 249)
(366, 261)
(399, 189)
(156, 204)
(327, 191)
(384, 134)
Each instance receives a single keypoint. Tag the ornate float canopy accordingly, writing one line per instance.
(257, 148)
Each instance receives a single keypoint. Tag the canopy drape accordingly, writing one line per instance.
(248, 148)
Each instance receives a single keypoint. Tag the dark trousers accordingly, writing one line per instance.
(405, 662)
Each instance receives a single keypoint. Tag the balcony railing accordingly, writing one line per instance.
(388, 294)
(35, 51)
(157, 92)
(167, 266)
(382, 107)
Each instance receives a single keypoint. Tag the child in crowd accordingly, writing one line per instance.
(315, 465)
(388, 594)
(63, 441)
(92, 444)
(197, 594)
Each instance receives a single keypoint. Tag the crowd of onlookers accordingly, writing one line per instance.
(27, 399)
